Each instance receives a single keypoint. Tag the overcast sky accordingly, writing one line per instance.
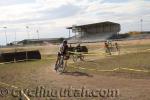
(51, 17)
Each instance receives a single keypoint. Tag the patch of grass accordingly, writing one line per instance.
(133, 61)
(136, 48)
(23, 73)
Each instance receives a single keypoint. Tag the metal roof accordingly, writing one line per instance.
(93, 24)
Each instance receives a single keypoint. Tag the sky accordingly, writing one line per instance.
(51, 17)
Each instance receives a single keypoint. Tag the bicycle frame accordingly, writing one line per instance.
(61, 65)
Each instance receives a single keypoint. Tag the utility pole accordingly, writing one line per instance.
(27, 27)
(15, 41)
(5, 28)
(141, 24)
(74, 29)
(69, 33)
(37, 31)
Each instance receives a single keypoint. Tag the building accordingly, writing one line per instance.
(94, 32)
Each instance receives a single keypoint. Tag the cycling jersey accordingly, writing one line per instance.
(63, 49)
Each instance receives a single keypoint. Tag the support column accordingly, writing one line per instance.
(69, 33)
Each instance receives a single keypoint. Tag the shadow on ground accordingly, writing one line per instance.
(76, 73)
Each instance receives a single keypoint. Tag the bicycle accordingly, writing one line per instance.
(60, 67)
(77, 56)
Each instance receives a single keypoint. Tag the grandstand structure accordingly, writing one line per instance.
(93, 32)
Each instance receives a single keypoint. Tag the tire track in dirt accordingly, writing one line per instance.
(129, 88)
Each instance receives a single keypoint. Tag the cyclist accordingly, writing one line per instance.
(63, 51)
(117, 47)
(107, 48)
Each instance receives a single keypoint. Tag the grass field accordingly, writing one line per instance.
(133, 85)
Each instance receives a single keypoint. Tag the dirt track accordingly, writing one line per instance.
(129, 88)
(32, 74)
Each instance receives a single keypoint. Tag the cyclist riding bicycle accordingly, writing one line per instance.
(63, 51)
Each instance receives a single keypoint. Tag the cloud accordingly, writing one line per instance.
(115, 1)
(53, 16)
(14, 2)
(66, 10)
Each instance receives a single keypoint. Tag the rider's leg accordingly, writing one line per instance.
(109, 50)
(65, 65)
(118, 50)
(57, 61)
(58, 58)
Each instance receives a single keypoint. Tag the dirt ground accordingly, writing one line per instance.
(131, 85)
(130, 88)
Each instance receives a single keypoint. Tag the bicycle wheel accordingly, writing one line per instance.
(61, 65)
(75, 58)
(82, 57)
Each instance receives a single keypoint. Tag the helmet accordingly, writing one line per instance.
(64, 41)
